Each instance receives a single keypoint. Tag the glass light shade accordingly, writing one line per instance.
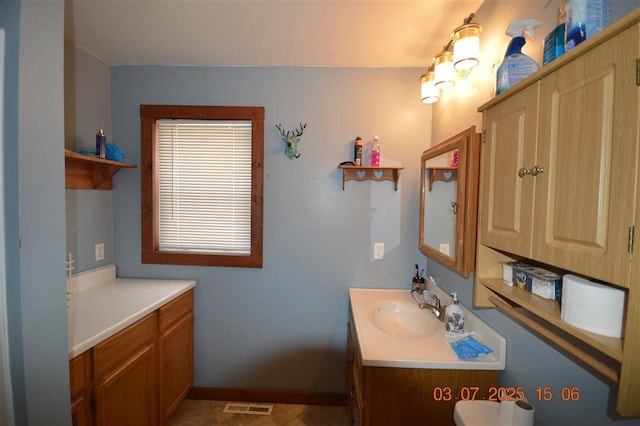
(444, 73)
(466, 46)
(429, 93)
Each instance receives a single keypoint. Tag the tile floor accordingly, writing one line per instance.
(193, 412)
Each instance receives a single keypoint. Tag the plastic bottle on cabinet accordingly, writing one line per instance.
(516, 66)
(375, 152)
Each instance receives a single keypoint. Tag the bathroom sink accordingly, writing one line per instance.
(402, 319)
(392, 331)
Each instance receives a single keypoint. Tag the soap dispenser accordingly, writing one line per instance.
(455, 315)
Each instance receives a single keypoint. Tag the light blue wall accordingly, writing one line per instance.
(531, 362)
(10, 21)
(89, 213)
(34, 182)
(284, 326)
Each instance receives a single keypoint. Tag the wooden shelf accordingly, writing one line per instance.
(549, 311)
(83, 172)
(375, 173)
(443, 174)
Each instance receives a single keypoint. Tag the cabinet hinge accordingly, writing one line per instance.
(632, 230)
(484, 132)
(480, 219)
(638, 72)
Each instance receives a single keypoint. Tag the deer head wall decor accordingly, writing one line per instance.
(291, 139)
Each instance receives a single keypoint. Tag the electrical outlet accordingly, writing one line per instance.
(378, 251)
(444, 249)
(99, 251)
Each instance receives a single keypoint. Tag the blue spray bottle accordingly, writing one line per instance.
(516, 66)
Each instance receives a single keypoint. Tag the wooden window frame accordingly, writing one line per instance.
(149, 115)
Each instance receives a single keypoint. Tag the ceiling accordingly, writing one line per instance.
(332, 33)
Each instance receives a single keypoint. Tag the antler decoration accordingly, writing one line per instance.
(291, 139)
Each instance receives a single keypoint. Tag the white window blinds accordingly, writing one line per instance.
(204, 175)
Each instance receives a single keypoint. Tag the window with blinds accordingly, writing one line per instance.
(204, 180)
(202, 185)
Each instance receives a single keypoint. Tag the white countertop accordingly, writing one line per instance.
(380, 349)
(102, 304)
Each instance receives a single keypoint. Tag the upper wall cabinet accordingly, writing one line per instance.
(559, 178)
(449, 201)
(559, 165)
(82, 172)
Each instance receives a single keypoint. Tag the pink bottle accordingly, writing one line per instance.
(375, 152)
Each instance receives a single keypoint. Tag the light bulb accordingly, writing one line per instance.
(444, 73)
(466, 46)
(429, 93)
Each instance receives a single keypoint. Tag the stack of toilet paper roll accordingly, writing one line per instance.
(592, 306)
(515, 413)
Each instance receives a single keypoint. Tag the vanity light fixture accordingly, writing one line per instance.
(444, 72)
(466, 46)
(429, 93)
(455, 62)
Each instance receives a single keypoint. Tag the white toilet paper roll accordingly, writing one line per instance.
(523, 414)
(592, 306)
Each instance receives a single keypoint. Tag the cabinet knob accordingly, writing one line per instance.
(536, 170)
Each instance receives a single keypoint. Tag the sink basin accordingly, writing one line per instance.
(392, 331)
(402, 319)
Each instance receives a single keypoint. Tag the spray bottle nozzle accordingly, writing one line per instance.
(521, 27)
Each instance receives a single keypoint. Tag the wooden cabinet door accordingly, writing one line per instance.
(588, 147)
(506, 198)
(176, 365)
(126, 371)
(79, 412)
(79, 394)
(175, 351)
(127, 395)
(354, 381)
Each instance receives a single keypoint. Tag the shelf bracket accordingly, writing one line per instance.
(375, 173)
(443, 174)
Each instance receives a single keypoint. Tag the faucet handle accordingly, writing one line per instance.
(437, 300)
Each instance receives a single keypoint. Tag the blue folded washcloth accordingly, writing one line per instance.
(112, 152)
(469, 347)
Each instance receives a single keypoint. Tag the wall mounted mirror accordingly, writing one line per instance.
(449, 201)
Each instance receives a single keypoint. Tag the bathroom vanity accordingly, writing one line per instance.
(130, 347)
(409, 374)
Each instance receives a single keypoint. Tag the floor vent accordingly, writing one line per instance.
(241, 408)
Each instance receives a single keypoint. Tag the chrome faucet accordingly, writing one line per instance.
(438, 310)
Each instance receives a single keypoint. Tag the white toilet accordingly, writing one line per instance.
(492, 413)
(476, 413)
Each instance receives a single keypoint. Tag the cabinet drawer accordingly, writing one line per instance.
(122, 345)
(176, 309)
(76, 375)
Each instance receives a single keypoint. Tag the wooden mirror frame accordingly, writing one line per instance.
(468, 145)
